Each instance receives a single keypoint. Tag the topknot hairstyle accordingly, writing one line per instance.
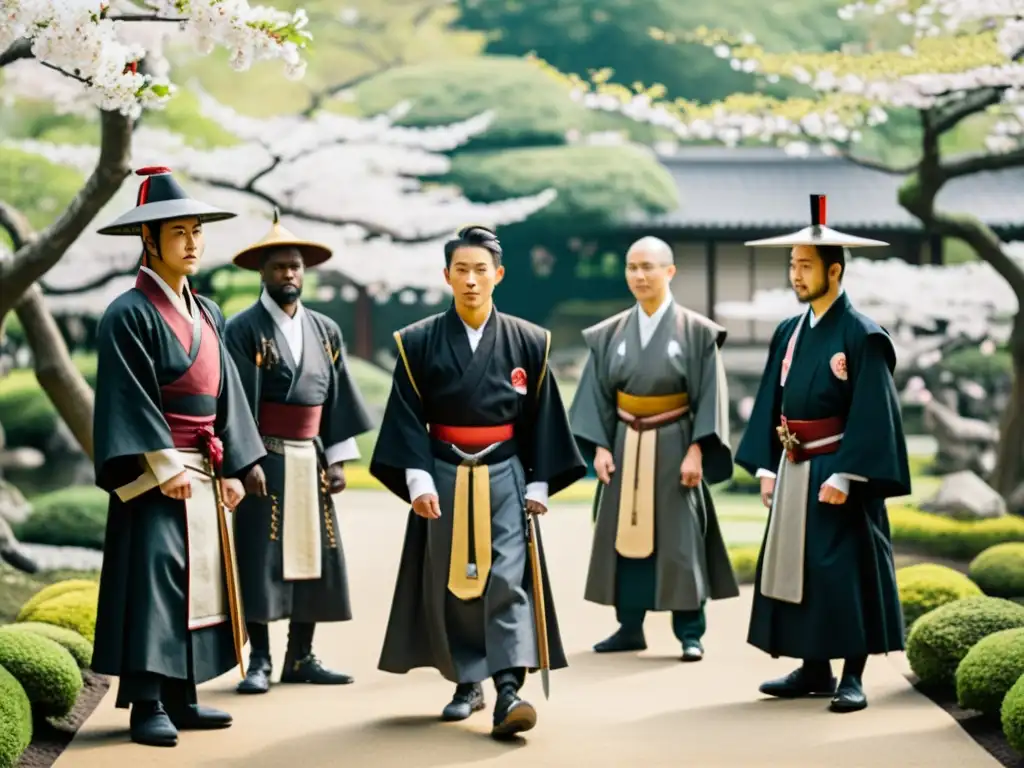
(474, 236)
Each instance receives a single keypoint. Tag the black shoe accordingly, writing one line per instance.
(309, 670)
(257, 677)
(799, 683)
(468, 698)
(198, 718)
(512, 715)
(693, 650)
(849, 697)
(623, 640)
(151, 726)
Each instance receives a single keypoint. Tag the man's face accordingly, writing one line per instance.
(647, 274)
(282, 274)
(807, 273)
(472, 276)
(181, 245)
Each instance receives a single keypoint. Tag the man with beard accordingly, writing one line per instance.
(474, 435)
(826, 438)
(652, 410)
(174, 438)
(309, 410)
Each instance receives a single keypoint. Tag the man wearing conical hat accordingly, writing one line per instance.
(309, 410)
(174, 440)
(826, 438)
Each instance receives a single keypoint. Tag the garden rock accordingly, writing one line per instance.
(965, 496)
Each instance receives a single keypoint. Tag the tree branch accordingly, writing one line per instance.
(945, 119)
(19, 49)
(877, 165)
(981, 163)
(92, 285)
(34, 259)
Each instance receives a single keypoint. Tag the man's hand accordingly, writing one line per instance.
(231, 492)
(426, 505)
(604, 465)
(178, 487)
(767, 489)
(692, 469)
(535, 507)
(830, 495)
(336, 478)
(256, 481)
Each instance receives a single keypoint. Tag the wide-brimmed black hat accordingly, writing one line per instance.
(817, 233)
(161, 198)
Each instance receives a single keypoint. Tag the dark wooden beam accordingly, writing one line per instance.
(935, 247)
(711, 266)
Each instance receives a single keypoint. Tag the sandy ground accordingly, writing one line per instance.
(647, 709)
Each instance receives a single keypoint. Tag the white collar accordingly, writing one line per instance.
(176, 300)
(280, 317)
(471, 330)
(658, 313)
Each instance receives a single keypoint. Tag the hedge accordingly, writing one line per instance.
(73, 610)
(999, 570)
(926, 586)
(932, 535)
(54, 590)
(15, 720)
(1012, 716)
(989, 670)
(71, 641)
(46, 671)
(744, 562)
(939, 640)
(71, 517)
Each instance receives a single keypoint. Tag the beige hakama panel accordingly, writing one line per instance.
(465, 580)
(301, 551)
(635, 534)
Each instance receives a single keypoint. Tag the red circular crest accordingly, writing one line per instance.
(838, 366)
(519, 380)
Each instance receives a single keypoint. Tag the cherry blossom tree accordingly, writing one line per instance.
(957, 61)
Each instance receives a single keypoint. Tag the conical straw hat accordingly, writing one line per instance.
(279, 237)
(817, 233)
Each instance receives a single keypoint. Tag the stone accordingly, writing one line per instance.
(962, 443)
(14, 508)
(965, 496)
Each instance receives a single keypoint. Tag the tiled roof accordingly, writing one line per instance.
(765, 189)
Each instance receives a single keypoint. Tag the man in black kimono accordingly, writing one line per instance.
(826, 438)
(309, 410)
(475, 436)
(171, 428)
(652, 411)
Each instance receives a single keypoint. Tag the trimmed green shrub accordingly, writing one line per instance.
(929, 534)
(999, 570)
(54, 590)
(74, 643)
(1012, 716)
(15, 720)
(744, 562)
(71, 517)
(939, 640)
(72, 610)
(926, 586)
(46, 671)
(989, 670)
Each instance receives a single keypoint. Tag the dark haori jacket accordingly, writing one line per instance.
(440, 381)
(838, 380)
(690, 562)
(162, 383)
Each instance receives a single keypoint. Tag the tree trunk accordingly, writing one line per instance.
(1009, 471)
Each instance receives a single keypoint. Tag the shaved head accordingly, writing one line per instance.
(650, 266)
(654, 248)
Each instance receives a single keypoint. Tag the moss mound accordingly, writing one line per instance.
(1012, 716)
(73, 610)
(71, 517)
(926, 586)
(15, 720)
(999, 570)
(939, 640)
(989, 670)
(71, 641)
(46, 671)
(51, 591)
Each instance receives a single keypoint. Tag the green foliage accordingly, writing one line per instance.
(73, 610)
(74, 643)
(940, 640)
(27, 414)
(989, 670)
(16, 587)
(36, 187)
(181, 115)
(15, 720)
(927, 534)
(596, 185)
(71, 517)
(46, 671)
(744, 562)
(1012, 716)
(971, 363)
(54, 590)
(926, 586)
(999, 570)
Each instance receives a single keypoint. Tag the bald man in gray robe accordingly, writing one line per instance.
(651, 412)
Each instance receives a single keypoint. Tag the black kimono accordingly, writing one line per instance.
(290, 557)
(460, 606)
(164, 387)
(825, 585)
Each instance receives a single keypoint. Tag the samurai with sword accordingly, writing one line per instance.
(475, 437)
(826, 439)
(173, 439)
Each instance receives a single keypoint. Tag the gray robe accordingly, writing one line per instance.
(690, 563)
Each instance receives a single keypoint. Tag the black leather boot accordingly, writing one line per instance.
(625, 639)
(301, 666)
(468, 698)
(257, 676)
(151, 726)
(814, 679)
(195, 717)
(512, 715)
(850, 695)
